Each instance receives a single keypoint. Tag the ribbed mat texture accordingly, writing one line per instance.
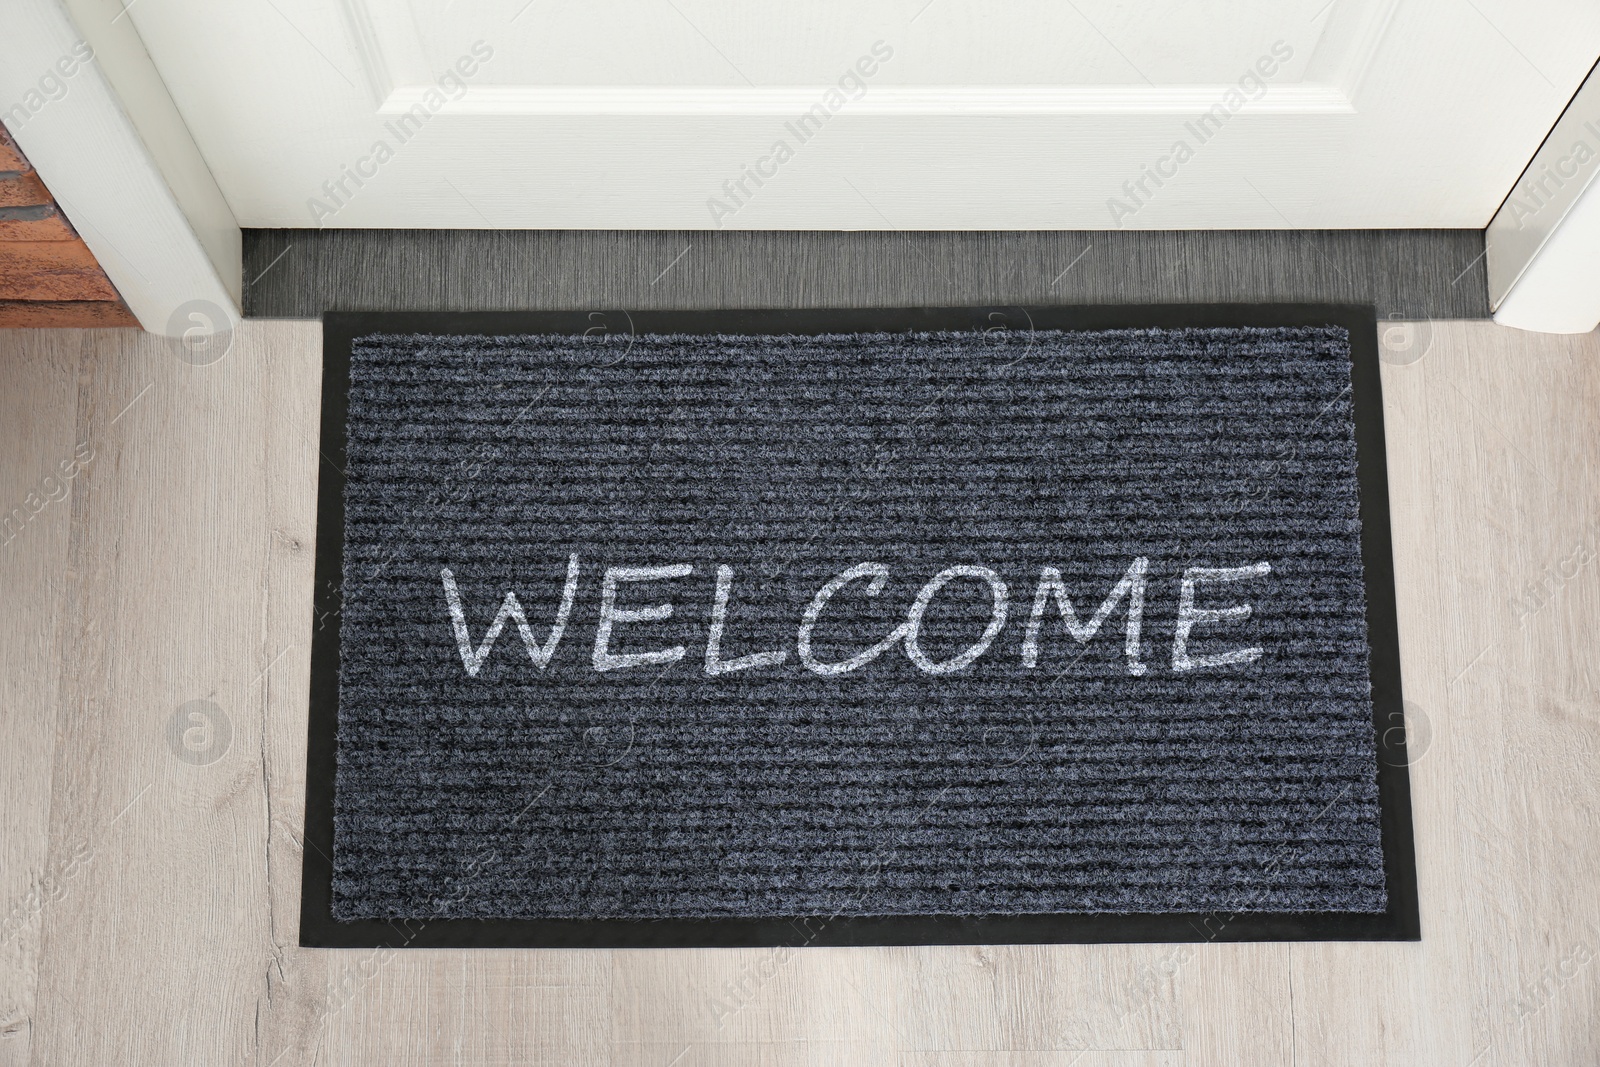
(976, 606)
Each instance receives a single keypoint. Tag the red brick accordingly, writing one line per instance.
(51, 270)
(62, 314)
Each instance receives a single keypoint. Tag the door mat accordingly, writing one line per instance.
(855, 627)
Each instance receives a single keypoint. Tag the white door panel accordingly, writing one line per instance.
(949, 114)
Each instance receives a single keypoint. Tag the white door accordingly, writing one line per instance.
(868, 114)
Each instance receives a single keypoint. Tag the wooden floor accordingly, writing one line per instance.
(148, 903)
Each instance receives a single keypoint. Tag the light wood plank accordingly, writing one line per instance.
(1236, 1004)
(39, 478)
(1492, 452)
(301, 992)
(930, 998)
(162, 606)
(1090, 1058)
(1526, 800)
(862, 1053)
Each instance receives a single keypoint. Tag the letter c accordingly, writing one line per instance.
(880, 575)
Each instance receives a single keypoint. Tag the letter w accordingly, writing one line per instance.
(510, 608)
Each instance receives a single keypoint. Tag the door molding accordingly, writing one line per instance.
(83, 100)
(393, 53)
(1543, 245)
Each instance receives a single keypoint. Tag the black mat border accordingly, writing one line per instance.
(1401, 922)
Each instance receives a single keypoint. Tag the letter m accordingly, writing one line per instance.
(1052, 587)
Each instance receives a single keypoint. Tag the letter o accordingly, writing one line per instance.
(997, 618)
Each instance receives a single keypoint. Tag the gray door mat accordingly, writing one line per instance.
(855, 627)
